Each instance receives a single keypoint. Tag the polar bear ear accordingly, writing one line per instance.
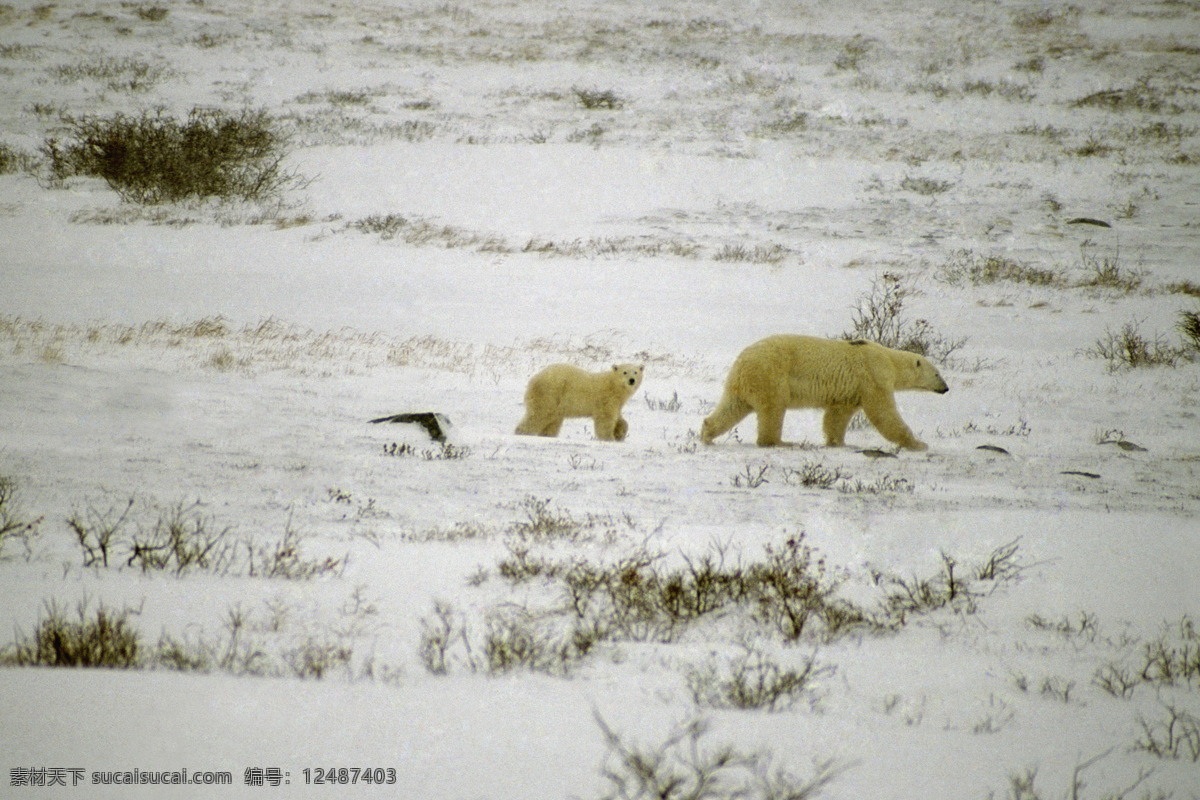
(616, 367)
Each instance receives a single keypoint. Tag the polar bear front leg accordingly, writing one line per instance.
(621, 429)
(883, 415)
(607, 426)
(728, 413)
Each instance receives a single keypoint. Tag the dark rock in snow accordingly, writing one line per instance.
(435, 424)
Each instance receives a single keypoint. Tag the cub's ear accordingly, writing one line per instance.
(616, 368)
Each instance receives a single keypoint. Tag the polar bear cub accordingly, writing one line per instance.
(840, 376)
(563, 390)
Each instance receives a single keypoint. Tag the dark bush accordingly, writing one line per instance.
(1189, 326)
(154, 158)
(105, 639)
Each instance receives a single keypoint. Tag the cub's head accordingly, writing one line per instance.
(920, 374)
(631, 375)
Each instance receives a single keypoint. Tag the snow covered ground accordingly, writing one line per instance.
(760, 169)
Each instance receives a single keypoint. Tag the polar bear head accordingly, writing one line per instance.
(630, 375)
(915, 372)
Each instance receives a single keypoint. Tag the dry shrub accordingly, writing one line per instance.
(154, 158)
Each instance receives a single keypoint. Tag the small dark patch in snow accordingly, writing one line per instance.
(1125, 445)
(435, 424)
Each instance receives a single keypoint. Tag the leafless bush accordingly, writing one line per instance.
(814, 475)
(13, 523)
(100, 532)
(1174, 656)
(181, 539)
(906, 596)
(315, 657)
(751, 477)
(1116, 680)
(879, 317)
(1128, 347)
(752, 680)
(683, 768)
(1107, 272)
(1174, 737)
(284, 558)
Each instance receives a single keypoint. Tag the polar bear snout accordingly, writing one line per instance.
(633, 381)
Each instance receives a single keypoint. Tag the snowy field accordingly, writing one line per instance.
(487, 188)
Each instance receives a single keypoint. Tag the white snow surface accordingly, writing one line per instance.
(766, 164)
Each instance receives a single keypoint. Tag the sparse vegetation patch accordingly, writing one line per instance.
(753, 680)
(103, 638)
(682, 768)
(790, 592)
(1142, 96)
(969, 267)
(593, 99)
(117, 74)
(182, 539)
(1129, 347)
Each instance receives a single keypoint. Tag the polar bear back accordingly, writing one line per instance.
(810, 372)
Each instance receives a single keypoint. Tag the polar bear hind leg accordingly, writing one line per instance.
(770, 423)
(835, 422)
(539, 425)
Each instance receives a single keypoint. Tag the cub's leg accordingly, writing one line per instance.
(621, 430)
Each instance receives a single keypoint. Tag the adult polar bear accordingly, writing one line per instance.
(840, 376)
